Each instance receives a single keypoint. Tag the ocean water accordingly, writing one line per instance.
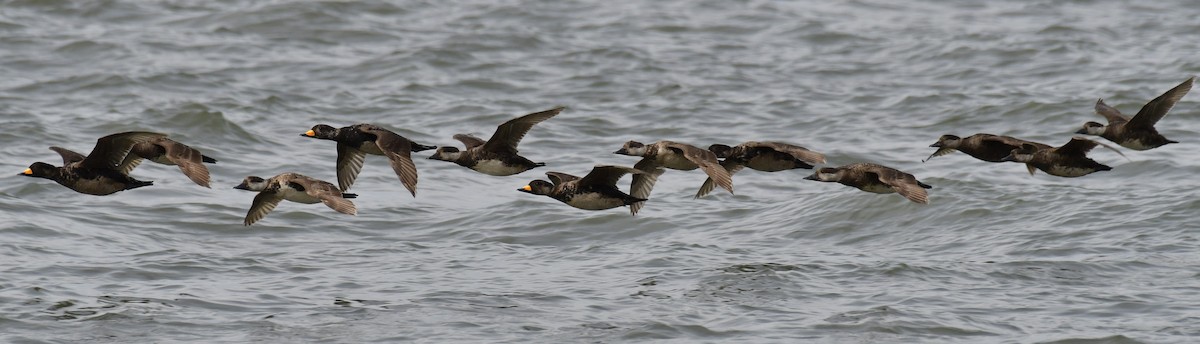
(998, 256)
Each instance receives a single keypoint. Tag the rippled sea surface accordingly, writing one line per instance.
(997, 257)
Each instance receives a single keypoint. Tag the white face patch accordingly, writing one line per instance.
(828, 177)
(446, 156)
(256, 186)
(634, 151)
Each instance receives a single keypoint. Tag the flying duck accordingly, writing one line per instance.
(1069, 161)
(96, 173)
(875, 178)
(293, 187)
(761, 156)
(595, 191)
(356, 141)
(498, 155)
(986, 147)
(1137, 133)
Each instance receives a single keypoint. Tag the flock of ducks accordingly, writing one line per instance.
(106, 170)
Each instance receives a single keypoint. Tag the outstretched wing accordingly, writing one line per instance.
(707, 162)
(189, 160)
(399, 152)
(68, 156)
(264, 202)
(469, 141)
(709, 185)
(607, 175)
(643, 183)
(940, 152)
(509, 134)
(131, 162)
(349, 164)
(112, 149)
(1157, 108)
(1077, 146)
(801, 153)
(559, 178)
(904, 184)
(326, 192)
(1110, 113)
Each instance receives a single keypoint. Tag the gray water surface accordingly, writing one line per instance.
(997, 257)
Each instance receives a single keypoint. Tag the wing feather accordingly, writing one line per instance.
(510, 133)
(1157, 108)
(349, 164)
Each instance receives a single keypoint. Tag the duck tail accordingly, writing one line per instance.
(539, 164)
(137, 184)
(927, 186)
(207, 159)
(349, 195)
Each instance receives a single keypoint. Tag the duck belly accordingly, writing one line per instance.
(1069, 171)
(767, 163)
(594, 201)
(497, 168)
(99, 186)
(1136, 144)
(676, 162)
(299, 197)
(878, 188)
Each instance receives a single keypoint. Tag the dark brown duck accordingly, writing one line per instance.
(1137, 132)
(595, 191)
(986, 147)
(876, 179)
(761, 156)
(97, 172)
(498, 155)
(356, 141)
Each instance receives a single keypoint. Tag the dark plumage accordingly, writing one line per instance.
(986, 147)
(1138, 132)
(595, 191)
(97, 172)
(498, 155)
(875, 178)
(356, 141)
(1069, 161)
(168, 152)
(761, 156)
